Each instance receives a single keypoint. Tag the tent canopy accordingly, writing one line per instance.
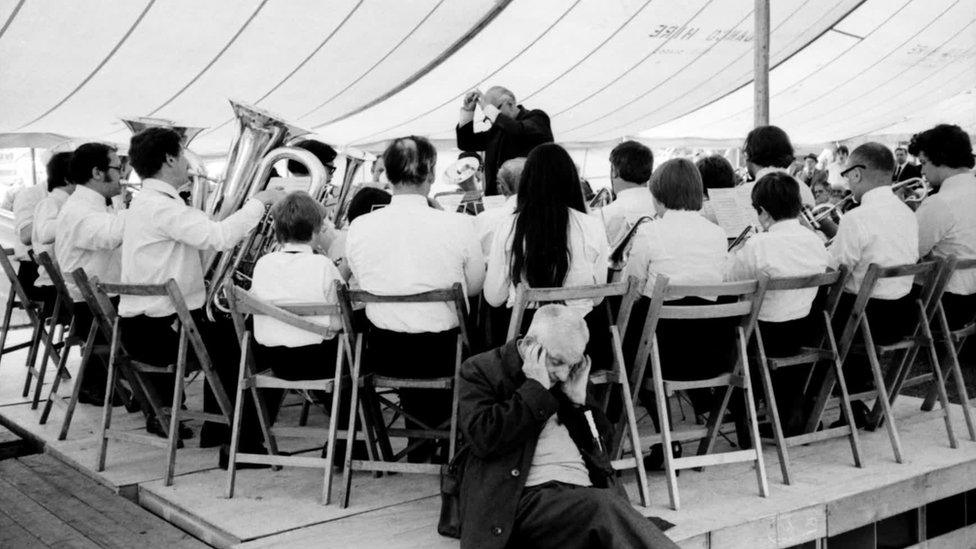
(363, 71)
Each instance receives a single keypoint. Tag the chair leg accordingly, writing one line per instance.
(940, 384)
(845, 397)
(879, 384)
(773, 412)
(76, 389)
(455, 396)
(49, 344)
(56, 383)
(953, 355)
(660, 398)
(107, 404)
(235, 432)
(173, 436)
(628, 402)
(36, 336)
(753, 419)
(333, 427)
(8, 311)
(303, 418)
(351, 429)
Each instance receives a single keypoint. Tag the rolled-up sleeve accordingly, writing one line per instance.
(194, 228)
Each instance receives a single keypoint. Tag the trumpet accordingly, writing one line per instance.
(603, 197)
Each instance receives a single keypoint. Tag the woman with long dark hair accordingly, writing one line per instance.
(549, 241)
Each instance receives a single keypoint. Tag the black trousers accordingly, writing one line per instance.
(565, 516)
(783, 339)
(960, 309)
(155, 340)
(421, 356)
(27, 273)
(96, 371)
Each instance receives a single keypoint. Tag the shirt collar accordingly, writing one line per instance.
(295, 247)
(958, 181)
(161, 186)
(409, 200)
(60, 192)
(785, 225)
(768, 170)
(635, 193)
(681, 214)
(882, 193)
(90, 196)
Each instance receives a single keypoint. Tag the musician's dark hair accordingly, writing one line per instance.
(842, 149)
(779, 194)
(903, 149)
(944, 145)
(548, 189)
(410, 160)
(769, 146)
(59, 171)
(365, 200)
(633, 161)
(148, 150)
(677, 185)
(297, 217)
(323, 152)
(716, 172)
(86, 158)
(811, 156)
(875, 156)
(472, 154)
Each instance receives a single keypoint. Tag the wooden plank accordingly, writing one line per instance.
(38, 520)
(13, 535)
(801, 526)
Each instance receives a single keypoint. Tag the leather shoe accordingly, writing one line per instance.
(153, 427)
(223, 459)
(655, 460)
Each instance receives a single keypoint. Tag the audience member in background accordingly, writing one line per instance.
(836, 166)
(162, 240)
(903, 168)
(716, 173)
(947, 219)
(882, 230)
(88, 236)
(785, 249)
(508, 184)
(550, 241)
(406, 248)
(768, 149)
(809, 171)
(59, 188)
(631, 164)
(480, 176)
(821, 192)
(23, 207)
(538, 474)
(514, 130)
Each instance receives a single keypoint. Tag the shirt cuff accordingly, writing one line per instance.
(255, 208)
(539, 400)
(491, 112)
(466, 116)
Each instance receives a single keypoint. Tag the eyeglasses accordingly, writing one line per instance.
(119, 167)
(852, 168)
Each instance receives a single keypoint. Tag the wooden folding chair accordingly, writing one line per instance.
(858, 321)
(119, 360)
(629, 291)
(250, 379)
(16, 299)
(809, 356)
(750, 295)
(453, 296)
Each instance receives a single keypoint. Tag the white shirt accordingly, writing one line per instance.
(42, 230)
(881, 230)
(407, 248)
(947, 225)
(786, 249)
(487, 221)
(621, 214)
(88, 236)
(682, 245)
(162, 240)
(293, 275)
(589, 256)
(806, 195)
(24, 204)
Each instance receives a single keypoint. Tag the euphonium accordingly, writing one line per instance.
(620, 251)
(249, 164)
(199, 181)
(603, 197)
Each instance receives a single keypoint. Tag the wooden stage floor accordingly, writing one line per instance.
(720, 506)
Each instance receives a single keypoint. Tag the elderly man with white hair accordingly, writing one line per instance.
(538, 474)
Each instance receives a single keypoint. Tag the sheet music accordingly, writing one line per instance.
(732, 210)
(290, 184)
(493, 201)
(450, 202)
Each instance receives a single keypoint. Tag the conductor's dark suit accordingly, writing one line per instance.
(508, 138)
(908, 171)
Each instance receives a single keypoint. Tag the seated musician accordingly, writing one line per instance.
(509, 175)
(716, 173)
(406, 248)
(947, 220)
(785, 249)
(366, 200)
(24, 202)
(549, 241)
(60, 187)
(631, 164)
(88, 236)
(768, 149)
(538, 474)
(162, 240)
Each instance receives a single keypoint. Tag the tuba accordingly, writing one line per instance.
(261, 142)
(620, 252)
(199, 181)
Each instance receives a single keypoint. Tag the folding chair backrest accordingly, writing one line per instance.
(243, 302)
(54, 272)
(102, 309)
(835, 279)
(15, 286)
(628, 290)
(453, 295)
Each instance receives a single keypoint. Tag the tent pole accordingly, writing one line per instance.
(33, 168)
(761, 69)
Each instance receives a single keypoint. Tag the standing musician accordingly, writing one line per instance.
(88, 236)
(631, 164)
(947, 219)
(514, 130)
(406, 248)
(59, 188)
(768, 149)
(785, 249)
(162, 240)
